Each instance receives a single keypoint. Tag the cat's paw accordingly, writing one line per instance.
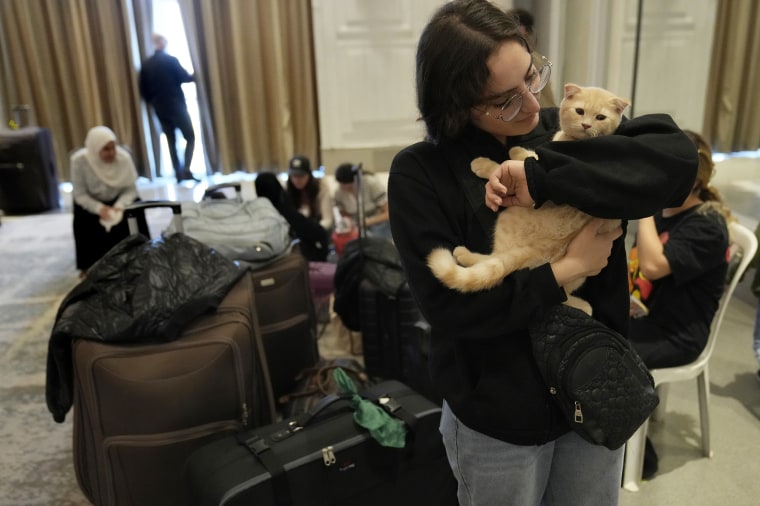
(579, 303)
(608, 226)
(463, 256)
(483, 167)
(518, 153)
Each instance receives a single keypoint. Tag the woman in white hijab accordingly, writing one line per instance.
(103, 176)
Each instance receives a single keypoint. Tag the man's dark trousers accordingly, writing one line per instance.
(171, 120)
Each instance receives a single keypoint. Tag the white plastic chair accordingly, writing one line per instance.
(744, 241)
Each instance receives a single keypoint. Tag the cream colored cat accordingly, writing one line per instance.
(525, 237)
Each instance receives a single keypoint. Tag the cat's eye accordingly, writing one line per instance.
(579, 111)
(601, 117)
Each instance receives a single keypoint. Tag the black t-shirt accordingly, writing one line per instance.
(683, 304)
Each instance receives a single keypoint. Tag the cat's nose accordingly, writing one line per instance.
(585, 126)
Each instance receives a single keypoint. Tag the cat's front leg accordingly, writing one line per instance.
(483, 167)
(518, 153)
(467, 258)
(579, 303)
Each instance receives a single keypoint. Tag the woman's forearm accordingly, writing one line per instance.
(652, 261)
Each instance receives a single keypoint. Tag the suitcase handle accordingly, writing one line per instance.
(387, 401)
(317, 410)
(218, 187)
(135, 209)
(314, 414)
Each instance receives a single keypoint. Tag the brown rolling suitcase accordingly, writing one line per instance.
(141, 409)
(288, 319)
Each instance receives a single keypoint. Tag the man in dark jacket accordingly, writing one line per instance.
(160, 80)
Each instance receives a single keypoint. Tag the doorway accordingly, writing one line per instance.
(167, 20)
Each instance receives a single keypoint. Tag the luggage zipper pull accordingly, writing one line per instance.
(328, 457)
(578, 413)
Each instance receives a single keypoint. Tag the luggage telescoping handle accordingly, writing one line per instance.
(357, 170)
(218, 187)
(137, 208)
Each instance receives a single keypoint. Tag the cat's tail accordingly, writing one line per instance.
(479, 276)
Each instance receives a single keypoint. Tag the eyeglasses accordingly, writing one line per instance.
(535, 83)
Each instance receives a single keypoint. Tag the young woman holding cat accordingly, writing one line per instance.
(506, 440)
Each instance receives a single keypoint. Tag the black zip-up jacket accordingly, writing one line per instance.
(160, 82)
(480, 358)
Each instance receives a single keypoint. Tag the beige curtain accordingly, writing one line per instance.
(142, 11)
(732, 122)
(255, 70)
(72, 62)
(196, 43)
(76, 63)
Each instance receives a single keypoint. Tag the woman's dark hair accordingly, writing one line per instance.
(451, 62)
(311, 190)
(705, 172)
(524, 18)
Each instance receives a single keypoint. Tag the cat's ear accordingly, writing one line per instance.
(571, 90)
(620, 104)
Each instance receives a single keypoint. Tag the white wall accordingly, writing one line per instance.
(674, 56)
(365, 52)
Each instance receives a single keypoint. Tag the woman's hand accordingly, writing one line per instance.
(587, 254)
(508, 186)
(105, 213)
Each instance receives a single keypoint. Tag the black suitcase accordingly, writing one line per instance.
(287, 318)
(395, 338)
(324, 458)
(28, 174)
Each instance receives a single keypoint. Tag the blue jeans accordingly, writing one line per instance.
(568, 471)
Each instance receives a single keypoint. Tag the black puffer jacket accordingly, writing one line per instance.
(141, 291)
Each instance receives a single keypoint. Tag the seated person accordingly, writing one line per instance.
(678, 272)
(308, 194)
(313, 239)
(103, 178)
(756, 291)
(374, 198)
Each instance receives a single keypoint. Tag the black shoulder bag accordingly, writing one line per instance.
(600, 383)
